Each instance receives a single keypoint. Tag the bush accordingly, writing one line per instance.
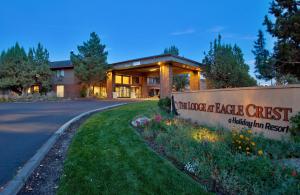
(83, 92)
(165, 104)
(295, 121)
(243, 142)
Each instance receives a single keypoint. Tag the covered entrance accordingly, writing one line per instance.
(151, 76)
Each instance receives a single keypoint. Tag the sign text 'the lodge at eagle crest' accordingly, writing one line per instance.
(250, 110)
(265, 110)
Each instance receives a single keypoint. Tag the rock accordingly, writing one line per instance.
(140, 121)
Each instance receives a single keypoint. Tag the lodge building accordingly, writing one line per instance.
(137, 78)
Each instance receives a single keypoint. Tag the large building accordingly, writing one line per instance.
(138, 78)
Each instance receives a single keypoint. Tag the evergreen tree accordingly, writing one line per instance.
(263, 65)
(225, 66)
(39, 59)
(286, 29)
(172, 50)
(15, 73)
(179, 81)
(90, 64)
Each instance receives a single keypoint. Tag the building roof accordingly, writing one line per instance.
(136, 62)
(61, 64)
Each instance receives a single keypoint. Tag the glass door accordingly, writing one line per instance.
(123, 91)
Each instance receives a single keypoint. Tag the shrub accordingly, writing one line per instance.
(165, 104)
(295, 121)
(243, 142)
(83, 92)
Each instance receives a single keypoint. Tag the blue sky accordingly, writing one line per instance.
(132, 28)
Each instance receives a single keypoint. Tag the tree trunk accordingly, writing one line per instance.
(88, 91)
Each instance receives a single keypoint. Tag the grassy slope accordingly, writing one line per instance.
(108, 157)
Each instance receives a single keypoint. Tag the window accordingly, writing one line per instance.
(153, 80)
(126, 80)
(60, 73)
(118, 79)
(36, 89)
(99, 91)
(135, 80)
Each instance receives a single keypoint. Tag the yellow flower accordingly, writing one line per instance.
(240, 147)
(253, 143)
(241, 136)
(247, 139)
(247, 148)
(260, 152)
(249, 131)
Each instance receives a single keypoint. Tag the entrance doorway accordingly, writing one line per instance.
(135, 92)
(60, 91)
(123, 91)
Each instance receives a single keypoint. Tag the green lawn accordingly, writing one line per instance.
(107, 156)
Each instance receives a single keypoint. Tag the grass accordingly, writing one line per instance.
(107, 156)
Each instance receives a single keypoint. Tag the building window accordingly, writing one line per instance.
(118, 79)
(126, 80)
(99, 91)
(60, 73)
(135, 80)
(153, 80)
(36, 89)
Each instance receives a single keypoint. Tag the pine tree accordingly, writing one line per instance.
(15, 73)
(225, 66)
(286, 29)
(263, 67)
(39, 59)
(172, 50)
(90, 64)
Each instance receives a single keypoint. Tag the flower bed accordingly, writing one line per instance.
(227, 162)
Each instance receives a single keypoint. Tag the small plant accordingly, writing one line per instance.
(243, 142)
(165, 104)
(295, 122)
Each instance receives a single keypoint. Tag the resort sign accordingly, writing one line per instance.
(264, 110)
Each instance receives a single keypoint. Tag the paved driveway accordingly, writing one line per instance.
(24, 127)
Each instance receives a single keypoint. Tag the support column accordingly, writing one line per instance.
(195, 80)
(166, 80)
(109, 85)
(144, 87)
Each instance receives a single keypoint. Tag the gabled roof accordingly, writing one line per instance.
(156, 59)
(61, 64)
(135, 62)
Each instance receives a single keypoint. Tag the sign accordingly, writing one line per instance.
(264, 110)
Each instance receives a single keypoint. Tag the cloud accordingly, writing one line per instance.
(238, 36)
(185, 32)
(216, 29)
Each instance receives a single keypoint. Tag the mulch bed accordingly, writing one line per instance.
(46, 177)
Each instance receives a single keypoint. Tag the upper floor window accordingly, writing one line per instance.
(153, 80)
(119, 79)
(60, 73)
(135, 80)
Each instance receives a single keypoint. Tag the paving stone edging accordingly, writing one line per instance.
(19, 180)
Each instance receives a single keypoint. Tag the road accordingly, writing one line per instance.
(25, 127)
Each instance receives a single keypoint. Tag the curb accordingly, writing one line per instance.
(14, 186)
